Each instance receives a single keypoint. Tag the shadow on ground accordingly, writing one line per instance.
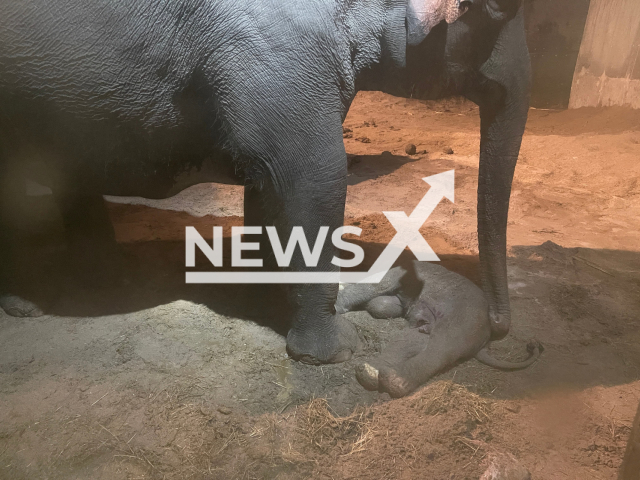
(176, 365)
(368, 167)
(583, 304)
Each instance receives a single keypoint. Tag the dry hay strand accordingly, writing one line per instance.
(440, 428)
(181, 436)
(320, 429)
(445, 396)
(193, 432)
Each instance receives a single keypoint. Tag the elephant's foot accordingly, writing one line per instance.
(402, 367)
(335, 343)
(19, 307)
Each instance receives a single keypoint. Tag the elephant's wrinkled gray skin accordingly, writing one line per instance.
(136, 97)
(449, 322)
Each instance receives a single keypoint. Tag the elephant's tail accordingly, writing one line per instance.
(534, 349)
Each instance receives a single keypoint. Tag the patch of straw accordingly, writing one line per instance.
(444, 396)
(319, 428)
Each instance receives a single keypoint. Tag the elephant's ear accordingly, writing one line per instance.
(423, 15)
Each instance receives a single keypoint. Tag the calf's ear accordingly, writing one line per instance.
(423, 15)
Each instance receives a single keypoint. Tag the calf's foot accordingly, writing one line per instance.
(401, 368)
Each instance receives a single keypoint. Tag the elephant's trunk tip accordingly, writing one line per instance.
(534, 348)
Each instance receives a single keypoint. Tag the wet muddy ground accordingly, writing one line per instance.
(152, 378)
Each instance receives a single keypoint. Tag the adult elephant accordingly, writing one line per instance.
(133, 97)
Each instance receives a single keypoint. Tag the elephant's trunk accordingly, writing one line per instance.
(503, 120)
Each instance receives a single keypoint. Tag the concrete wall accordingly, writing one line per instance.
(554, 33)
(608, 67)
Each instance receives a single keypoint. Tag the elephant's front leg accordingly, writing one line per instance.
(318, 334)
(311, 201)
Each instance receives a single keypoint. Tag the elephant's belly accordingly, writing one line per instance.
(117, 158)
(147, 179)
(162, 180)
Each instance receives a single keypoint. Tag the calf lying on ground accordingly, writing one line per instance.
(449, 323)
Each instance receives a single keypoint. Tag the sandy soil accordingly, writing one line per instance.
(155, 379)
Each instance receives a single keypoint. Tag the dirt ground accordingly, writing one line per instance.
(156, 379)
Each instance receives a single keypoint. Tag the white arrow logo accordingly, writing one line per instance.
(407, 235)
(408, 228)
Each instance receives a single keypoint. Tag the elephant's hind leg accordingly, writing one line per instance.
(94, 256)
(11, 191)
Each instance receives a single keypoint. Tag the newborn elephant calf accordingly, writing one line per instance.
(449, 323)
